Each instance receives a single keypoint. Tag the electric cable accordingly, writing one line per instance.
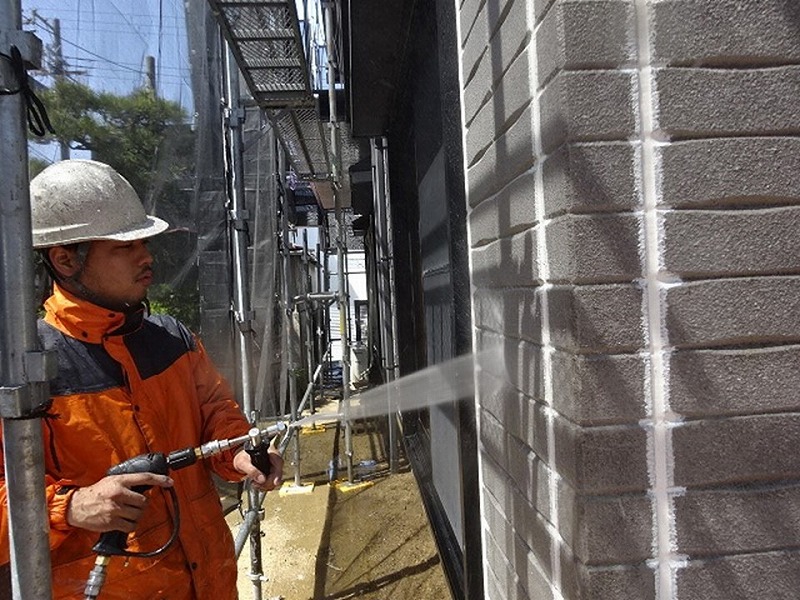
(38, 121)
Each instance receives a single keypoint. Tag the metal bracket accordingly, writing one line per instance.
(29, 46)
(234, 117)
(16, 400)
(239, 219)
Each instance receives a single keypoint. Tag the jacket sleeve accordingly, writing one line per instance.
(57, 499)
(220, 414)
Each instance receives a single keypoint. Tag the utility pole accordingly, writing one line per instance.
(23, 366)
(150, 69)
(59, 73)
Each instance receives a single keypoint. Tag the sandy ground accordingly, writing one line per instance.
(325, 540)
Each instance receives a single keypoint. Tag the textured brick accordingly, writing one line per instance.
(606, 530)
(583, 106)
(728, 312)
(594, 177)
(523, 367)
(597, 34)
(580, 582)
(529, 475)
(594, 248)
(540, 8)
(737, 450)
(493, 439)
(505, 160)
(487, 56)
(495, 482)
(599, 390)
(726, 32)
(701, 243)
(509, 98)
(512, 210)
(508, 546)
(509, 262)
(717, 102)
(596, 318)
(773, 575)
(515, 313)
(601, 460)
(730, 382)
(738, 520)
(730, 172)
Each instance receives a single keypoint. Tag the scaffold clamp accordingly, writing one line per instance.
(16, 401)
(29, 46)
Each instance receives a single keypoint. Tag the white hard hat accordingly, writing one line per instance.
(82, 200)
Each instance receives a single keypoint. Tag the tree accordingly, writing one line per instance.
(146, 140)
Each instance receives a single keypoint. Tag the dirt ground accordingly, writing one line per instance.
(334, 540)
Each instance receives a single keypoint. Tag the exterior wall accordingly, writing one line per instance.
(633, 192)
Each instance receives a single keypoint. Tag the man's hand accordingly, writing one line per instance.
(111, 504)
(261, 481)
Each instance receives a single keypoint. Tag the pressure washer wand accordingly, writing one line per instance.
(115, 543)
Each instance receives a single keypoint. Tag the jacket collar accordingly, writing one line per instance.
(85, 321)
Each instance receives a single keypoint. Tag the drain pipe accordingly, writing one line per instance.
(234, 118)
(24, 368)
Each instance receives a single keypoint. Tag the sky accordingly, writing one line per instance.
(105, 44)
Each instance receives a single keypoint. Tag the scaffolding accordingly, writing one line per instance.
(302, 150)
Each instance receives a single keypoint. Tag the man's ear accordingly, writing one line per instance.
(64, 261)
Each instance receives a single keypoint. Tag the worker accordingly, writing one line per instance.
(128, 383)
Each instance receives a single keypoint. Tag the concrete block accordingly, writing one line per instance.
(732, 312)
(511, 211)
(737, 520)
(737, 450)
(721, 102)
(705, 243)
(774, 575)
(740, 172)
(603, 319)
(599, 389)
(734, 382)
(594, 248)
(604, 583)
(591, 178)
(725, 33)
(597, 34)
(505, 160)
(509, 262)
(602, 460)
(583, 106)
(510, 96)
(606, 530)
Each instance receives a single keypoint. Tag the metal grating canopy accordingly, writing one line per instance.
(264, 37)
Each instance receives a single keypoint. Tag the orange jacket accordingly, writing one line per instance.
(127, 387)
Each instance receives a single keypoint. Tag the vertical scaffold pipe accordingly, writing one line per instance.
(341, 236)
(237, 219)
(288, 324)
(23, 384)
(382, 251)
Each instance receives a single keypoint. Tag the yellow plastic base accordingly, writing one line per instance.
(291, 490)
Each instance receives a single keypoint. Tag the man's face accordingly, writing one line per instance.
(117, 274)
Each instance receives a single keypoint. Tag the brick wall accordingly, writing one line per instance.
(633, 172)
